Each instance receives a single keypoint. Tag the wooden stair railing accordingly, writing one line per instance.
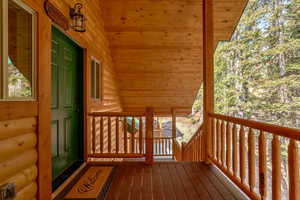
(111, 139)
(177, 151)
(240, 148)
(193, 150)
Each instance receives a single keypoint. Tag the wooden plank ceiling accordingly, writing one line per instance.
(156, 48)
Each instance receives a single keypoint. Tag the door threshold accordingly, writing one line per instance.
(59, 192)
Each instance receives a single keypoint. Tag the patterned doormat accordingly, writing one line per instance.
(93, 185)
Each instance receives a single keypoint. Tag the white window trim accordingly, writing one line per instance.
(95, 61)
(4, 53)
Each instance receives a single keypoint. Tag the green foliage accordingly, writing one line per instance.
(18, 85)
(257, 73)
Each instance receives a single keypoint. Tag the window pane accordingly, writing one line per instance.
(20, 52)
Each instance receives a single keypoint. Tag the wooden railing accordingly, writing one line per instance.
(111, 137)
(162, 146)
(177, 151)
(139, 145)
(252, 154)
(194, 149)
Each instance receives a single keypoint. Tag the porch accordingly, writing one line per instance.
(137, 61)
(170, 180)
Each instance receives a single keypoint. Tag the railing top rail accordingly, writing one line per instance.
(195, 135)
(163, 138)
(117, 114)
(266, 127)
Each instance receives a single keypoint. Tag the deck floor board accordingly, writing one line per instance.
(171, 180)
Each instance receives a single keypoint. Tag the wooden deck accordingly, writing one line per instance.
(171, 180)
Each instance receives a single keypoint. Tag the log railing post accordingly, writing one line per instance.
(173, 130)
(101, 135)
(117, 134)
(228, 147)
(276, 168)
(149, 135)
(109, 134)
(141, 135)
(94, 135)
(262, 166)
(223, 144)
(235, 150)
(213, 138)
(125, 135)
(208, 75)
(242, 156)
(132, 135)
(251, 160)
(294, 178)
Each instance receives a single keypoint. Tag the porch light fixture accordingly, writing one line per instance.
(78, 19)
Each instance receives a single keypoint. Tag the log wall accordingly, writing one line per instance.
(18, 156)
(25, 148)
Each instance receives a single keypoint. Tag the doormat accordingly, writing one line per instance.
(93, 185)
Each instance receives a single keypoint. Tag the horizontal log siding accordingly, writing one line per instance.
(18, 156)
(18, 121)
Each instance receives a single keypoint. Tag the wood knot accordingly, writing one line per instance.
(20, 143)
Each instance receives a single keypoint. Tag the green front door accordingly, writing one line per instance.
(67, 123)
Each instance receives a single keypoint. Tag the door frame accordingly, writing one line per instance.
(81, 69)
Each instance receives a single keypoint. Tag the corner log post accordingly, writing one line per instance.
(149, 136)
(208, 75)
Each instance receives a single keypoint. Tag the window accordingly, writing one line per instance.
(96, 77)
(17, 79)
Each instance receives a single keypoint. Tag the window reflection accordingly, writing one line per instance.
(18, 84)
(20, 52)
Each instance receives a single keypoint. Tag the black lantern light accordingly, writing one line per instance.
(78, 19)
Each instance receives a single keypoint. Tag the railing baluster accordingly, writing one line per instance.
(165, 145)
(276, 168)
(218, 141)
(223, 143)
(101, 135)
(262, 166)
(235, 150)
(125, 135)
(117, 135)
(109, 135)
(294, 185)
(156, 145)
(213, 131)
(170, 145)
(141, 135)
(242, 155)
(228, 147)
(251, 162)
(132, 134)
(94, 135)
(162, 146)
(198, 147)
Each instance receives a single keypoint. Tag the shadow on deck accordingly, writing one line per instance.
(173, 180)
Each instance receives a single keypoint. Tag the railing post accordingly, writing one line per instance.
(208, 74)
(182, 151)
(149, 135)
(173, 130)
(294, 177)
